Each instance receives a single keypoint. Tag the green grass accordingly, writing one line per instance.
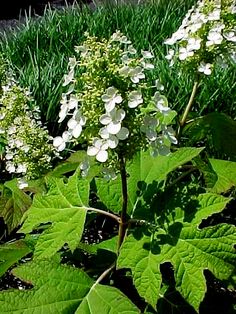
(39, 50)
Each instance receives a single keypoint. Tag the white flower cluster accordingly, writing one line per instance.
(27, 152)
(207, 34)
(109, 104)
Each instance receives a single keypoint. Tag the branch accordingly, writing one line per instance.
(188, 107)
(103, 212)
(123, 218)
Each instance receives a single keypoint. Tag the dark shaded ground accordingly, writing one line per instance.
(11, 10)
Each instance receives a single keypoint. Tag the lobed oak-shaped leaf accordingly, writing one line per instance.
(64, 207)
(57, 289)
(144, 168)
(177, 239)
(220, 176)
(12, 252)
(62, 289)
(106, 300)
(13, 204)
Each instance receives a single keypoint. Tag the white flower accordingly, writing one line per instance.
(147, 65)
(109, 174)
(9, 156)
(59, 142)
(99, 149)
(205, 68)
(214, 38)
(194, 44)
(147, 54)
(136, 74)
(68, 78)
(83, 50)
(10, 167)
(161, 103)
(111, 98)
(113, 120)
(11, 130)
(72, 62)
(159, 148)
(21, 168)
(131, 50)
(2, 116)
(230, 36)
(22, 183)
(125, 70)
(149, 127)
(158, 85)
(84, 167)
(184, 53)
(214, 15)
(135, 99)
(169, 133)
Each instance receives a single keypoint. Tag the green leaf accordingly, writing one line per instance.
(177, 239)
(106, 300)
(64, 207)
(13, 204)
(109, 245)
(144, 168)
(218, 128)
(11, 253)
(220, 176)
(57, 289)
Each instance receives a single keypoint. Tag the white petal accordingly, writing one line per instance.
(113, 141)
(77, 131)
(123, 133)
(147, 54)
(119, 115)
(102, 156)
(105, 119)
(104, 133)
(106, 98)
(66, 136)
(61, 147)
(92, 151)
(110, 105)
(151, 135)
(111, 91)
(97, 143)
(163, 150)
(73, 102)
(72, 123)
(57, 141)
(118, 99)
(114, 127)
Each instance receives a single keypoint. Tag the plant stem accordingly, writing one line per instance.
(104, 274)
(103, 212)
(123, 217)
(188, 107)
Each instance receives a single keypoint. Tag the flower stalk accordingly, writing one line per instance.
(123, 223)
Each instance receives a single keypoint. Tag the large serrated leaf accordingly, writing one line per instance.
(10, 253)
(218, 128)
(57, 289)
(64, 207)
(177, 239)
(62, 289)
(106, 300)
(13, 204)
(144, 168)
(220, 176)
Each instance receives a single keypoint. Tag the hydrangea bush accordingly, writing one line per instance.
(112, 109)
(28, 148)
(206, 36)
(111, 105)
